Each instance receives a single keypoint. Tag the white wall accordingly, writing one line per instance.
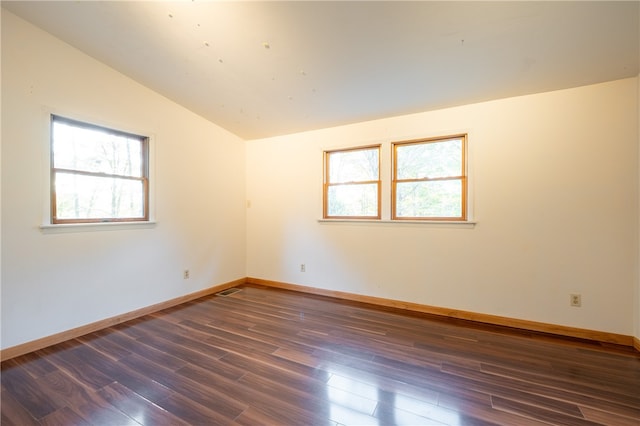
(53, 282)
(554, 178)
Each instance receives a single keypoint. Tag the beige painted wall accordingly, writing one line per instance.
(554, 182)
(53, 282)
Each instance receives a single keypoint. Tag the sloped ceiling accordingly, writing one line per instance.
(261, 69)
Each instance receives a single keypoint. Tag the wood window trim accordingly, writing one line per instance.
(327, 184)
(463, 178)
(144, 178)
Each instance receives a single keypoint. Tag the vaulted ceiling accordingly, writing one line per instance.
(262, 69)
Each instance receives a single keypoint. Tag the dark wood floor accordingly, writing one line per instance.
(266, 356)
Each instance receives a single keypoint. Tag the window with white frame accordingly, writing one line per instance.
(352, 183)
(98, 174)
(429, 179)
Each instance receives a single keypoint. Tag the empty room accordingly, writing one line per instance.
(320, 213)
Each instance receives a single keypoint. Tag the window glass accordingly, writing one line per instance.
(352, 183)
(429, 160)
(353, 200)
(429, 179)
(97, 174)
(90, 197)
(92, 149)
(353, 166)
(433, 199)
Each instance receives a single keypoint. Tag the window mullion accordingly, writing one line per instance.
(431, 179)
(358, 182)
(95, 174)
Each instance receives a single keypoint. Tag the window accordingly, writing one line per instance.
(352, 183)
(429, 179)
(97, 174)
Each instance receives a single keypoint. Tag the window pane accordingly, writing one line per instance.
(96, 150)
(353, 166)
(429, 160)
(353, 200)
(429, 199)
(89, 197)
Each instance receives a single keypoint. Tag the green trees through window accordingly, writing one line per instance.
(352, 183)
(97, 174)
(428, 181)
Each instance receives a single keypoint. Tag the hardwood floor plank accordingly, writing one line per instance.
(64, 417)
(277, 357)
(265, 400)
(135, 381)
(345, 416)
(130, 328)
(230, 345)
(474, 407)
(80, 400)
(406, 395)
(191, 412)
(563, 400)
(179, 335)
(138, 408)
(476, 351)
(155, 356)
(310, 405)
(607, 418)
(223, 338)
(299, 357)
(72, 362)
(112, 342)
(26, 390)
(519, 391)
(580, 393)
(142, 385)
(254, 416)
(537, 413)
(274, 371)
(395, 406)
(13, 413)
(32, 363)
(103, 342)
(388, 413)
(214, 397)
(132, 379)
(64, 389)
(299, 368)
(194, 357)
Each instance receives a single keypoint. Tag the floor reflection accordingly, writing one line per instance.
(385, 412)
(353, 401)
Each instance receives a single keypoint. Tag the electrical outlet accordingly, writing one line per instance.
(575, 300)
(303, 268)
(185, 274)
